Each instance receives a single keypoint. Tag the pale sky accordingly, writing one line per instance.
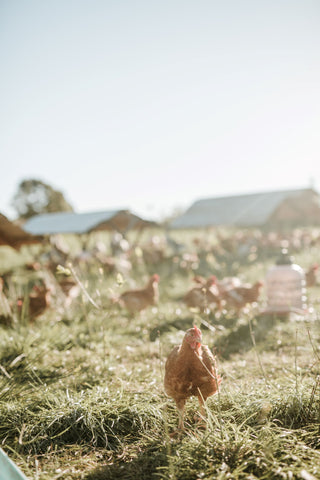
(151, 105)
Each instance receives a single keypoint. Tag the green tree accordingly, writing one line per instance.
(34, 197)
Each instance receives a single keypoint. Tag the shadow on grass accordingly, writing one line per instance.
(144, 466)
(238, 339)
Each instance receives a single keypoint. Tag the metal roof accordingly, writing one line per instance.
(252, 209)
(79, 223)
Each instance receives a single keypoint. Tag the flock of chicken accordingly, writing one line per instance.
(230, 293)
(206, 294)
(191, 368)
(39, 298)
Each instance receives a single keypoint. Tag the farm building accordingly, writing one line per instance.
(14, 236)
(81, 223)
(276, 209)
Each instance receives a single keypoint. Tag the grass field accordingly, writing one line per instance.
(81, 389)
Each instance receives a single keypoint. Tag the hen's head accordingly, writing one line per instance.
(155, 278)
(212, 280)
(193, 337)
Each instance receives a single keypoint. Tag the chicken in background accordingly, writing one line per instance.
(204, 296)
(139, 299)
(37, 302)
(33, 266)
(5, 310)
(311, 275)
(238, 297)
(70, 288)
(191, 370)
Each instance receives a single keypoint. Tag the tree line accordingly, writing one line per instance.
(34, 197)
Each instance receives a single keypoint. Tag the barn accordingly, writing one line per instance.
(272, 210)
(14, 236)
(87, 222)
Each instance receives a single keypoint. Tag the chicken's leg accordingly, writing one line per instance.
(202, 417)
(180, 406)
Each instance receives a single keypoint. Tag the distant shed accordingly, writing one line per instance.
(81, 223)
(14, 236)
(275, 209)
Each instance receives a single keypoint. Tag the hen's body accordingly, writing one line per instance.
(202, 296)
(39, 300)
(239, 297)
(190, 370)
(138, 300)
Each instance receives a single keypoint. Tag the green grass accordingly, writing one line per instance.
(81, 391)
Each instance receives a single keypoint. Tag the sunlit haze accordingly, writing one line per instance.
(153, 105)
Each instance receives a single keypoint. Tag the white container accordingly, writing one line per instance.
(8, 469)
(286, 287)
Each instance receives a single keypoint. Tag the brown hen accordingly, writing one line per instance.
(137, 300)
(204, 295)
(238, 297)
(38, 301)
(190, 370)
(5, 310)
